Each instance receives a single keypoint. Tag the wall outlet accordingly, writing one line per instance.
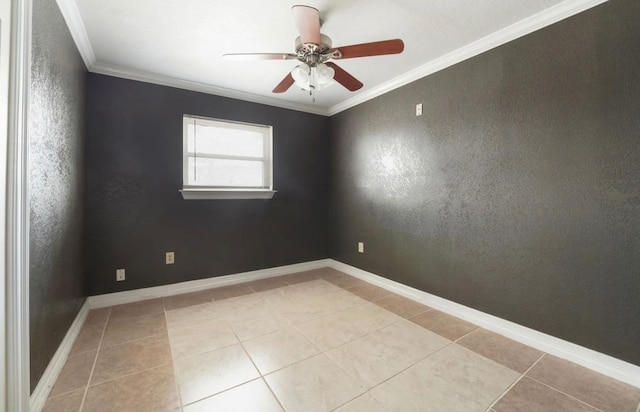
(170, 258)
(361, 247)
(119, 275)
(419, 109)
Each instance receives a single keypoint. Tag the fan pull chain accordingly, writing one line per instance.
(312, 83)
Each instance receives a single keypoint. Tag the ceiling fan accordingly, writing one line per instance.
(314, 50)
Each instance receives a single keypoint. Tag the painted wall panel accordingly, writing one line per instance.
(518, 191)
(56, 185)
(134, 171)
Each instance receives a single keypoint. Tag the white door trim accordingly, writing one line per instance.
(17, 213)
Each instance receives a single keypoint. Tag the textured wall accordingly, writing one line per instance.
(518, 191)
(56, 184)
(134, 171)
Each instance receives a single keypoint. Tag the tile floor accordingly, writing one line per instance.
(313, 341)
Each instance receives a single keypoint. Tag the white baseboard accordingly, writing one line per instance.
(119, 298)
(604, 364)
(41, 392)
(596, 361)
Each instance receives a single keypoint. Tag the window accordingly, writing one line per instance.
(226, 160)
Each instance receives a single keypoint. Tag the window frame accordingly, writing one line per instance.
(229, 192)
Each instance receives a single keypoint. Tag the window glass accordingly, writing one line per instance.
(219, 154)
(225, 172)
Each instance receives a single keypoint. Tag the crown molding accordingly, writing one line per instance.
(538, 21)
(71, 15)
(147, 77)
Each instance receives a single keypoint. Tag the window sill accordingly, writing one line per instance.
(195, 194)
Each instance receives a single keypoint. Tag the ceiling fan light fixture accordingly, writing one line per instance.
(325, 76)
(302, 76)
(317, 78)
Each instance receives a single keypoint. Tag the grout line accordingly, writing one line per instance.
(66, 393)
(353, 399)
(392, 376)
(514, 382)
(89, 385)
(166, 332)
(95, 360)
(398, 373)
(400, 319)
(221, 392)
(465, 335)
(566, 394)
(131, 374)
(173, 366)
(259, 372)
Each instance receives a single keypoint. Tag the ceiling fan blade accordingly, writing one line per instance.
(341, 76)
(308, 23)
(377, 48)
(284, 85)
(240, 57)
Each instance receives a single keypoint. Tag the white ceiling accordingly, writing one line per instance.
(181, 42)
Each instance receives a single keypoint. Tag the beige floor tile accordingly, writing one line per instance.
(508, 352)
(252, 396)
(376, 357)
(258, 326)
(121, 330)
(88, 338)
(340, 279)
(69, 402)
(91, 332)
(315, 384)
(204, 375)
(301, 277)
(588, 386)
(227, 292)
(75, 373)
(453, 379)
(369, 292)
(256, 322)
(186, 299)
(131, 357)
(313, 288)
(201, 338)
(145, 307)
(151, 390)
(279, 349)
(531, 396)
(341, 327)
(363, 403)
(314, 307)
(401, 306)
(445, 325)
(191, 315)
(266, 284)
(243, 306)
(97, 316)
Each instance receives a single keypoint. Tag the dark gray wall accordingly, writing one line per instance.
(518, 191)
(134, 171)
(56, 184)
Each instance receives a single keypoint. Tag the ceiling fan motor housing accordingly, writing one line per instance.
(313, 54)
